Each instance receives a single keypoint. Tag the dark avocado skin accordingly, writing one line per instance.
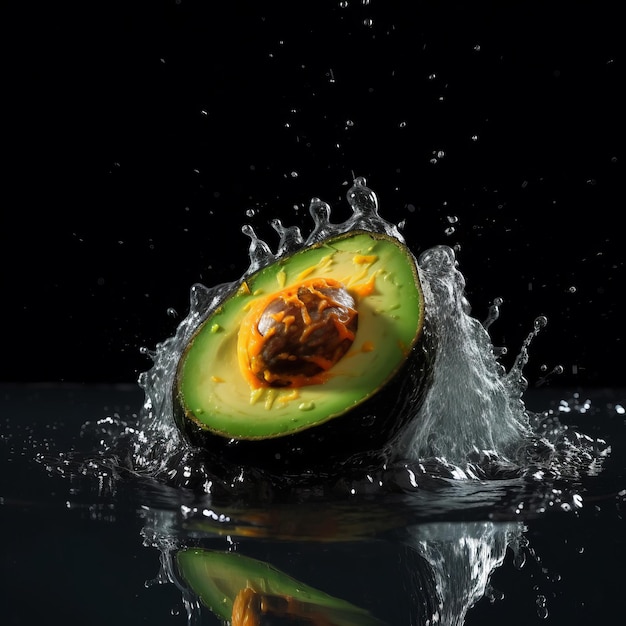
(357, 437)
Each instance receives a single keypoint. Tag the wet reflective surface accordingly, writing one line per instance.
(95, 548)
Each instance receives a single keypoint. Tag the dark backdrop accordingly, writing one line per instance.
(142, 134)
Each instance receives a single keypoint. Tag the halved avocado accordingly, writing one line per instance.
(325, 346)
(243, 590)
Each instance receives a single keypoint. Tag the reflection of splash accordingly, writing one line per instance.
(446, 570)
(462, 557)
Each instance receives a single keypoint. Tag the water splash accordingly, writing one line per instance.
(472, 424)
(471, 407)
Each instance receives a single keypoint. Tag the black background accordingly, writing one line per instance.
(140, 134)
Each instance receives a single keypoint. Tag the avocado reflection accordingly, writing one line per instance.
(361, 569)
(247, 591)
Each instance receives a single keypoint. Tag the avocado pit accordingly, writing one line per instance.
(294, 336)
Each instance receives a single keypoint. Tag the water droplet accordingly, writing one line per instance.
(541, 602)
(343, 4)
(402, 124)
(368, 21)
(290, 238)
(572, 289)
(294, 174)
(449, 231)
(147, 352)
(474, 137)
(361, 198)
(172, 312)
(452, 219)
(259, 252)
(349, 123)
(250, 212)
(540, 322)
(493, 315)
(493, 594)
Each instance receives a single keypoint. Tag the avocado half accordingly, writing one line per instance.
(321, 355)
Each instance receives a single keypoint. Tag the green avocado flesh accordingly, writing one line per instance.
(217, 577)
(380, 274)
